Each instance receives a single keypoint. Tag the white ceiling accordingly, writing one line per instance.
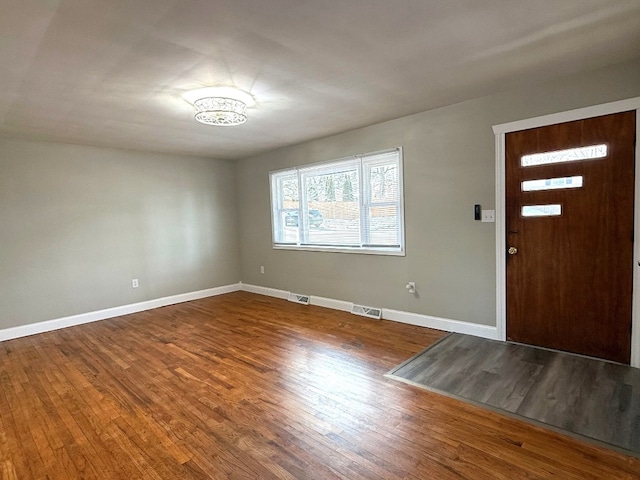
(112, 72)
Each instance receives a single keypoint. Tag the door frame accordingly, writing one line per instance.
(500, 132)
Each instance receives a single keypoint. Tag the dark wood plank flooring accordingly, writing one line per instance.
(585, 396)
(243, 386)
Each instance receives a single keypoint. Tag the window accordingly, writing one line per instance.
(542, 210)
(559, 156)
(552, 184)
(349, 205)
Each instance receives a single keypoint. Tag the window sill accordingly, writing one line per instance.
(356, 250)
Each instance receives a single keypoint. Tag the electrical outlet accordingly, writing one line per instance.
(488, 215)
(261, 268)
(134, 283)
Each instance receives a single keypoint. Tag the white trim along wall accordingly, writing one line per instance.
(500, 131)
(437, 323)
(58, 323)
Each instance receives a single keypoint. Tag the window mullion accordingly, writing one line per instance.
(363, 200)
(302, 207)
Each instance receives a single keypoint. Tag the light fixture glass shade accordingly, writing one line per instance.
(220, 111)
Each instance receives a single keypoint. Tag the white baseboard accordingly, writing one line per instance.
(58, 323)
(331, 303)
(418, 319)
(284, 294)
(445, 324)
(269, 292)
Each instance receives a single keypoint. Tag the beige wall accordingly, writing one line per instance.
(449, 166)
(78, 223)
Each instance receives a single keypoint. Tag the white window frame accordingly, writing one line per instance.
(361, 162)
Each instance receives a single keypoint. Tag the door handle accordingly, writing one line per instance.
(512, 250)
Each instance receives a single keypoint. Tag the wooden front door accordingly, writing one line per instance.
(569, 224)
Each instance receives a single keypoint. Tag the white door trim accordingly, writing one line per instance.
(500, 131)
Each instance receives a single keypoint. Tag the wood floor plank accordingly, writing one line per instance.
(243, 386)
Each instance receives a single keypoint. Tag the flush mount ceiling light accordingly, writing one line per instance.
(220, 111)
(220, 106)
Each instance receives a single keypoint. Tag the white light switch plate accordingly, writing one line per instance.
(488, 215)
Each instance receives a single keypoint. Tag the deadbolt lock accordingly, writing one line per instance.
(512, 250)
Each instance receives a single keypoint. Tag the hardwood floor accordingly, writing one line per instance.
(244, 386)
